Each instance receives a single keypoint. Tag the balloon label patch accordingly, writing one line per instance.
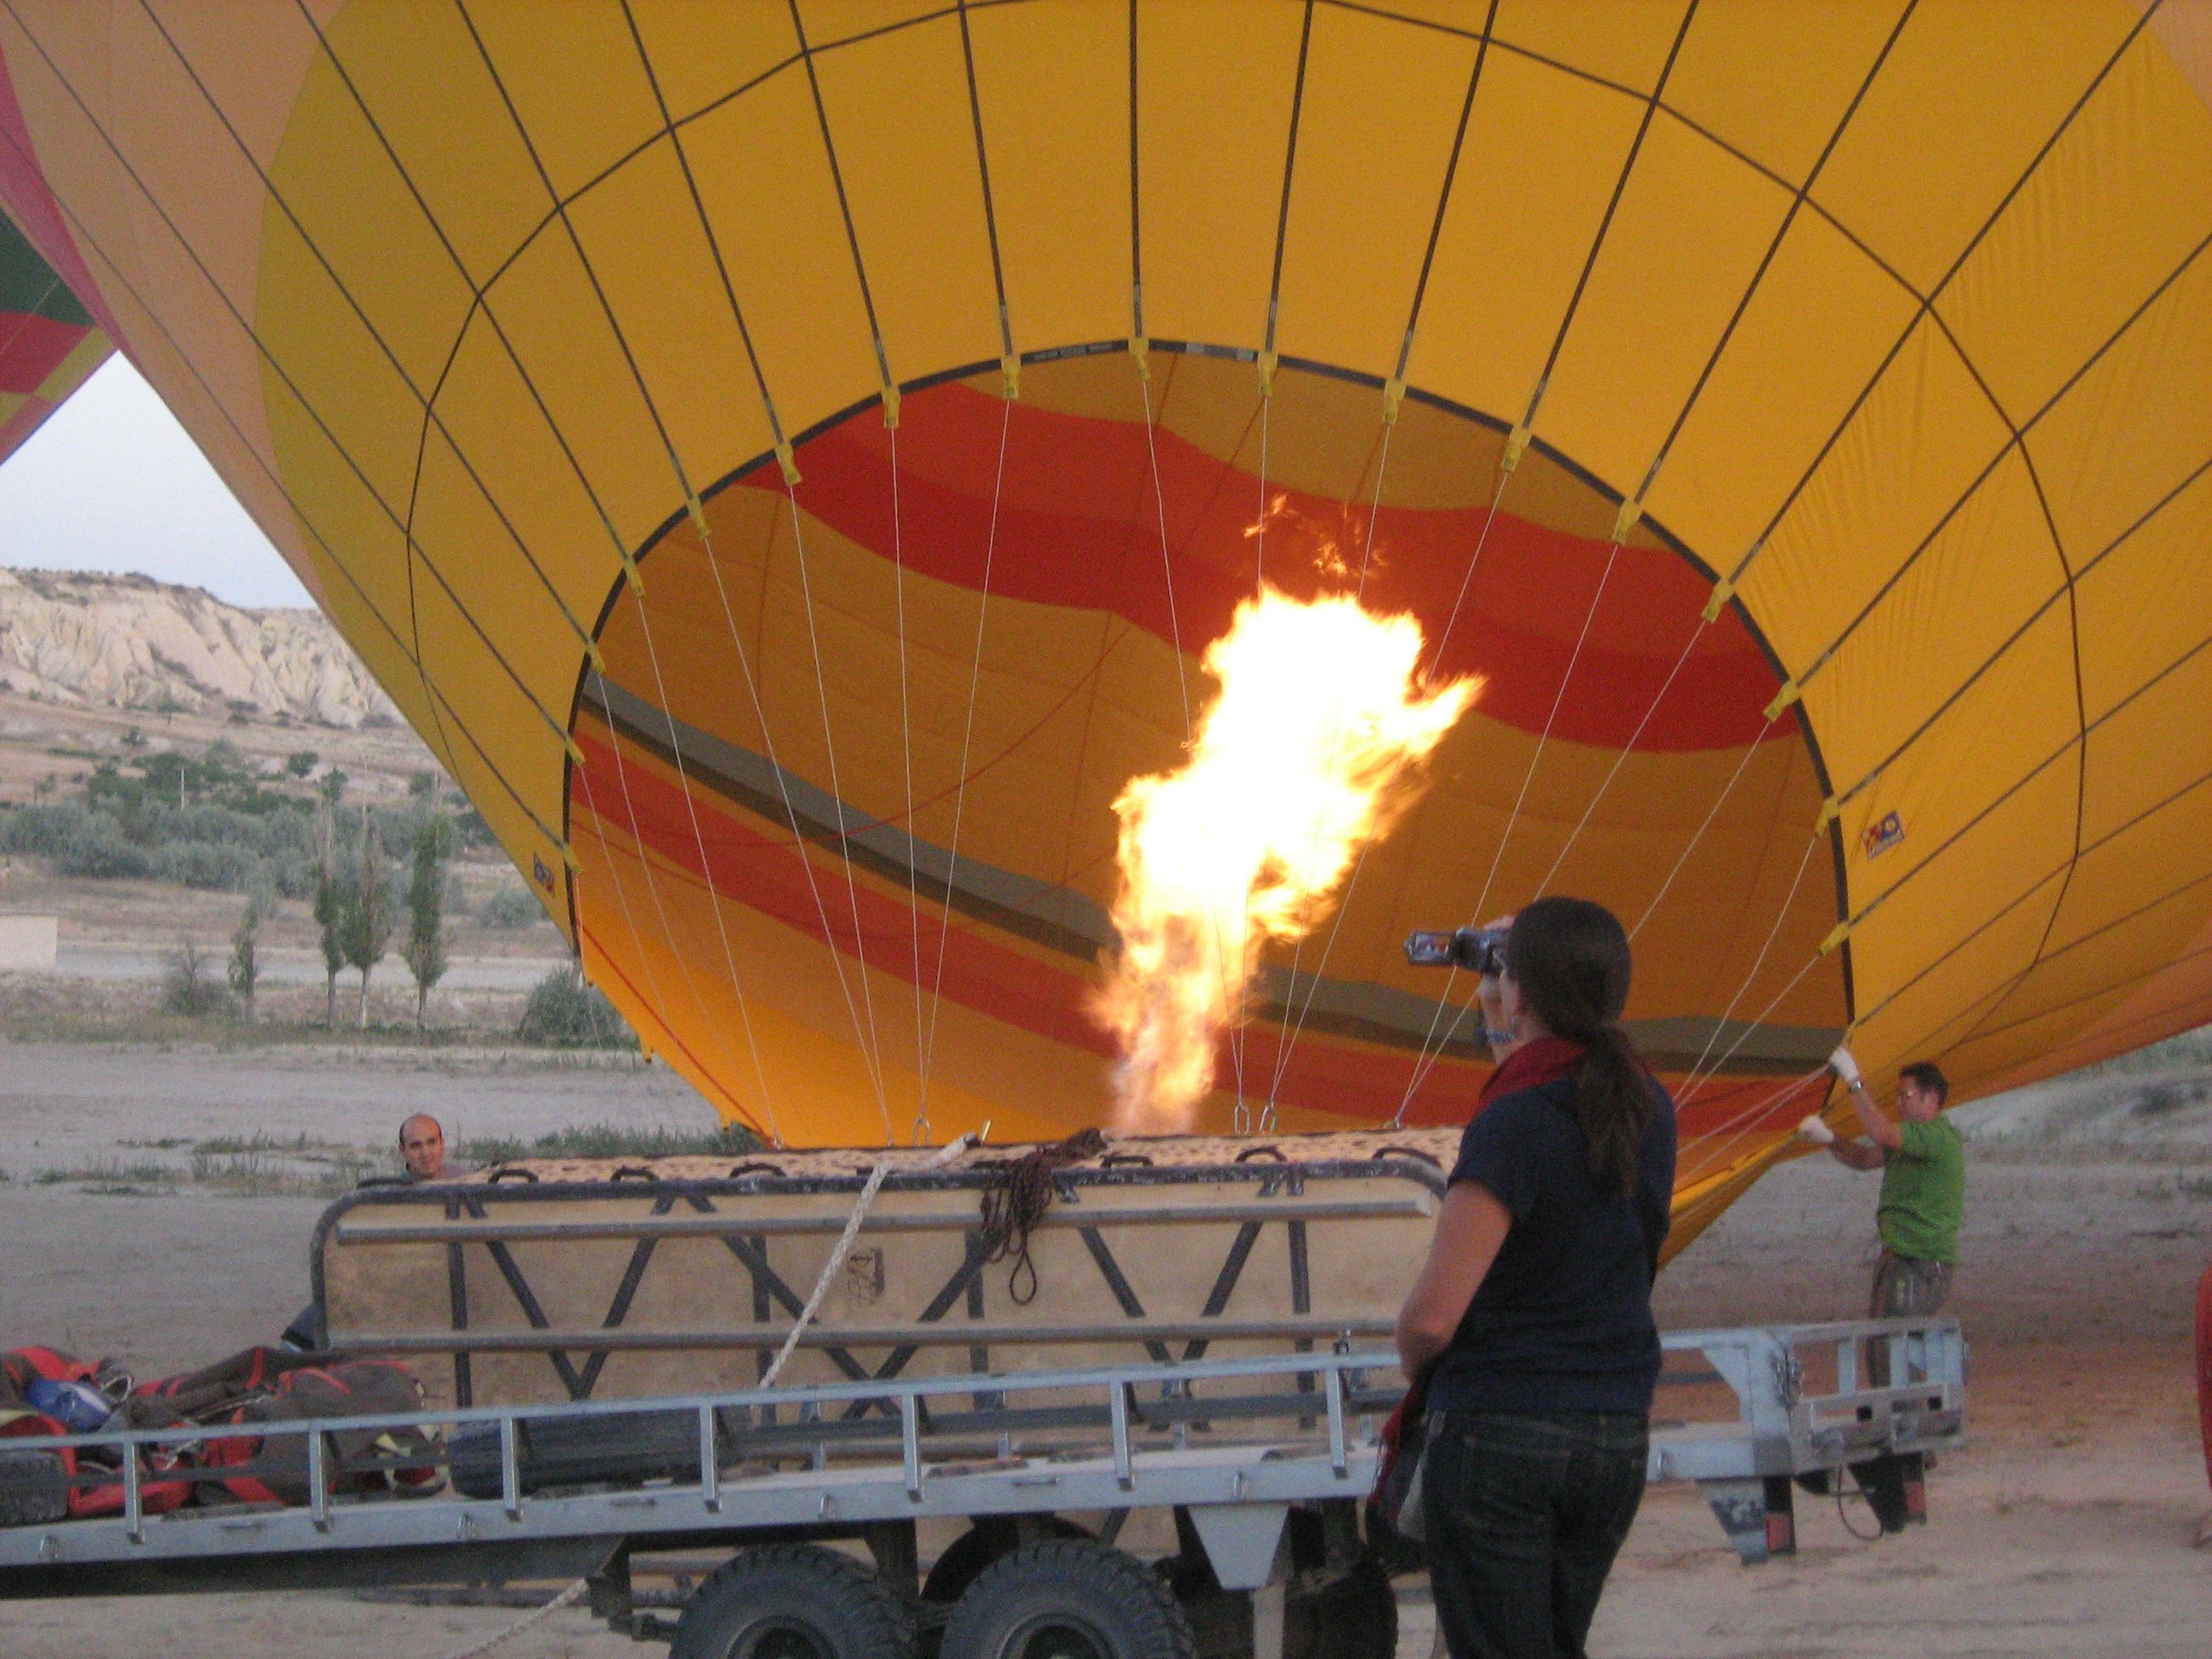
(1883, 834)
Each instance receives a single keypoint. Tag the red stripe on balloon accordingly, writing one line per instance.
(1076, 528)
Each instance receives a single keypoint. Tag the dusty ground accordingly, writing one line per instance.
(2063, 1529)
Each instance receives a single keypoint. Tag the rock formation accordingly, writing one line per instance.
(129, 642)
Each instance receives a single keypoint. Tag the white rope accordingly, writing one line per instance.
(1698, 834)
(937, 1160)
(1781, 916)
(699, 840)
(1424, 1063)
(1544, 738)
(1286, 1050)
(967, 750)
(1621, 759)
(535, 1616)
(783, 788)
(922, 1129)
(1240, 1122)
(622, 893)
(668, 930)
(872, 1051)
(1712, 1157)
(1166, 565)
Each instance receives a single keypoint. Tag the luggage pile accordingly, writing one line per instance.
(44, 1391)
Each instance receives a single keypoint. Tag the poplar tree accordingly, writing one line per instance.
(366, 929)
(245, 972)
(330, 911)
(425, 949)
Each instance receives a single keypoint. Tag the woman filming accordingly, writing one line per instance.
(1531, 1319)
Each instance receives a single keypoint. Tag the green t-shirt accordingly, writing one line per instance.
(1923, 1191)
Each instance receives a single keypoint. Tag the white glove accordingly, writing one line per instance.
(1818, 1133)
(1844, 1066)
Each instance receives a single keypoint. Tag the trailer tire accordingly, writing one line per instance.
(793, 1601)
(33, 1488)
(1099, 1603)
(986, 1540)
(1355, 1618)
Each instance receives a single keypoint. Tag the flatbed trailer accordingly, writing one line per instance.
(1262, 1463)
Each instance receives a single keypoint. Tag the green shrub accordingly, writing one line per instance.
(510, 906)
(44, 831)
(565, 1012)
(215, 867)
(96, 847)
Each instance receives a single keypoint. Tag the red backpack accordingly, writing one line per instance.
(273, 1468)
(37, 1481)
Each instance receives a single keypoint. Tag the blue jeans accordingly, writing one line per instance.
(1525, 1515)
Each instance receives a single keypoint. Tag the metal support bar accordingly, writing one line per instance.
(1117, 1403)
(510, 1470)
(910, 1443)
(771, 1337)
(720, 1225)
(1339, 1455)
(710, 1471)
(318, 1482)
(134, 1508)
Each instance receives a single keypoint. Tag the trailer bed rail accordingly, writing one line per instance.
(1232, 1443)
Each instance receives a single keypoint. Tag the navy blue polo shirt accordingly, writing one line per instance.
(1562, 1322)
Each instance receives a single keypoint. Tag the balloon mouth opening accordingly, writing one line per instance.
(867, 730)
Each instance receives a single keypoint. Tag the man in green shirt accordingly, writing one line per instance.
(1923, 1185)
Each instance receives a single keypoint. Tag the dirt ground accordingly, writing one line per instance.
(2065, 1528)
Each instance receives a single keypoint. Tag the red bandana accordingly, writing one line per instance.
(1532, 1066)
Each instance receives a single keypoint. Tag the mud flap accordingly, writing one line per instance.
(1896, 1488)
(1756, 1515)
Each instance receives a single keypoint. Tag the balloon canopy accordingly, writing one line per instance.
(788, 461)
(48, 343)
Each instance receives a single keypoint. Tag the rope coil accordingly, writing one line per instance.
(1021, 1192)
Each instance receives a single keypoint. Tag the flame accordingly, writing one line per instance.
(1313, 747)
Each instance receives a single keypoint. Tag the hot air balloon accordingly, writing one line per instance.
(49, 345)
(788, 461)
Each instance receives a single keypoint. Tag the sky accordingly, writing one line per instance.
(112, 482)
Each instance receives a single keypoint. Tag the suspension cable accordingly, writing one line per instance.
(1285, 1049)
(967, 747)
(873, 1051)
(668, 929)
(923, 1130)
(1781, 916)
(1423, 1064)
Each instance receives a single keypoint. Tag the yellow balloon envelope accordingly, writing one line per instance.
(787, 462)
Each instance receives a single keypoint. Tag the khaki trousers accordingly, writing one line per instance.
(1904, 1288)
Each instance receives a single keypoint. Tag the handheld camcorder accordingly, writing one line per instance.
(1477, 950)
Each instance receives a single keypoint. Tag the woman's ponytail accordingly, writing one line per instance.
(1571, 958)
(1612, 1102)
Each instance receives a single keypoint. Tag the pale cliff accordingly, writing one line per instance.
(132, 643)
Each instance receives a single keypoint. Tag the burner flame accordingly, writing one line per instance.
(1312, 748)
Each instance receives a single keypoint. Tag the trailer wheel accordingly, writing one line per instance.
(1068, 1600)
(1355, 1618)
(989, 1539)
(793, 1601)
